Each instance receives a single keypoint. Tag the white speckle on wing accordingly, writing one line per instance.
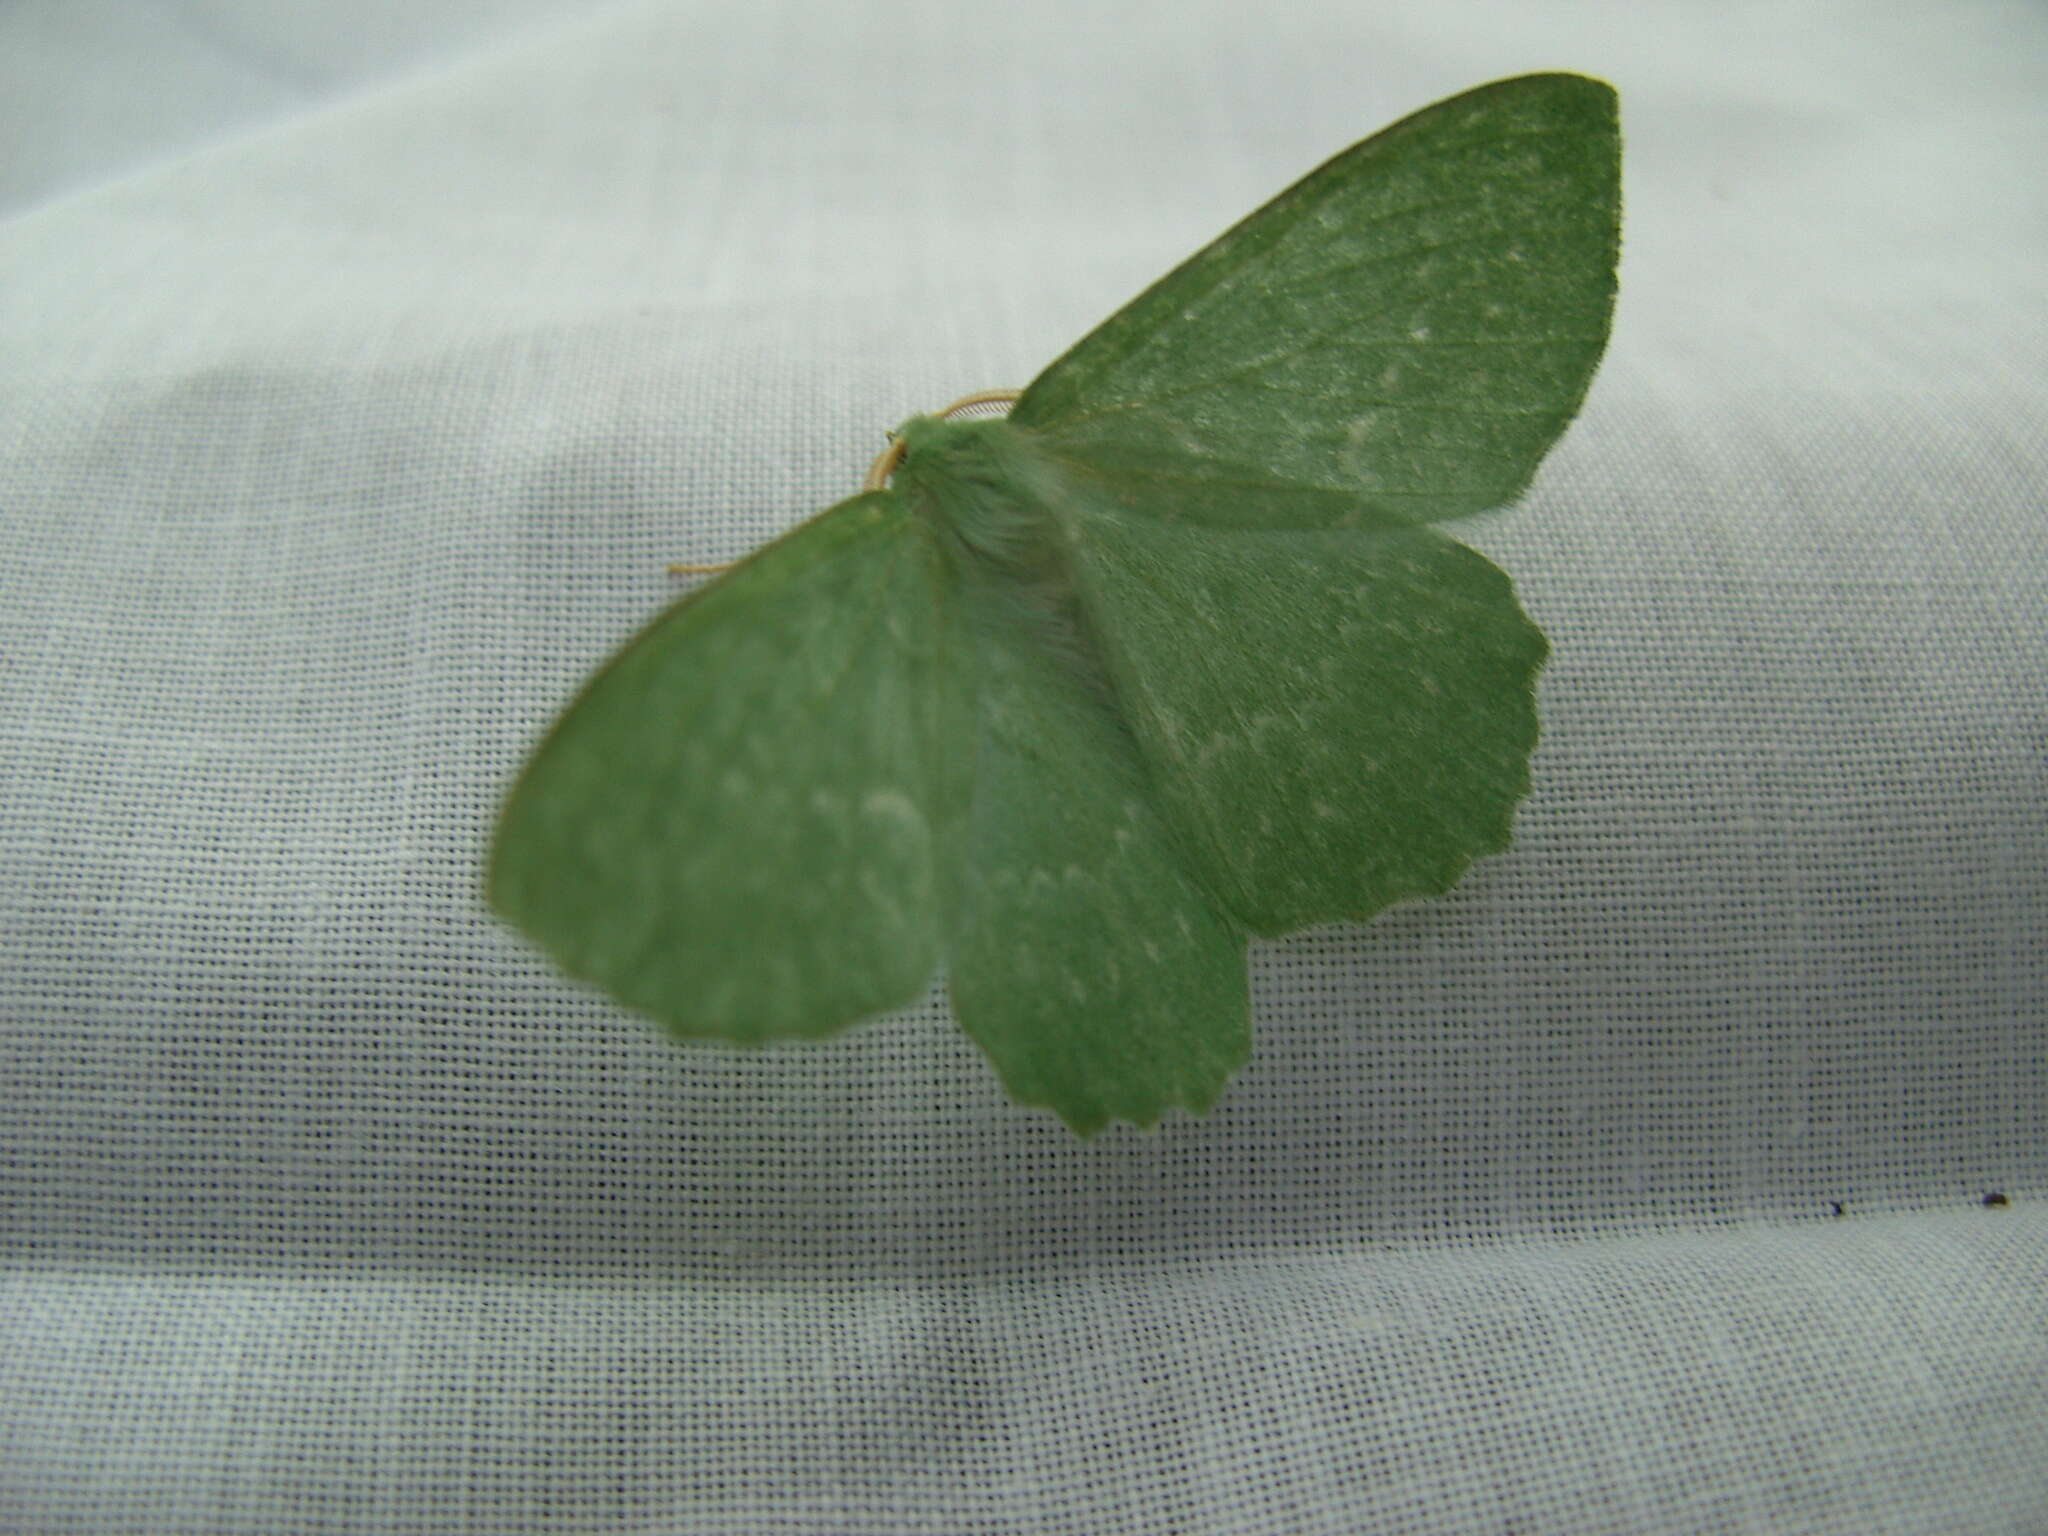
(1363, 436)
(889, 805)
(896, 817)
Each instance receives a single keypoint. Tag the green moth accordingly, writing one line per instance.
(1073, 702)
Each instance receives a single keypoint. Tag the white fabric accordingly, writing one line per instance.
(335, 449)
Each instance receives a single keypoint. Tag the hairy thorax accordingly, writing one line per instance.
(987, 485)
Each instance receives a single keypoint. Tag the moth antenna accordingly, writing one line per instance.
(887, 460)
(982, 397)
(883, 467)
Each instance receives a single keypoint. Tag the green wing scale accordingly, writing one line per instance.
(734, 827)
(1335, 720)
(1097, 971)
(1400, 335)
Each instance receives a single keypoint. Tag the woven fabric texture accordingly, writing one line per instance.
(1683, 1170)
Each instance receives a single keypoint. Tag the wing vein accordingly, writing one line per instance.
(1351, 492)
(1314, 342)
(1409, 405)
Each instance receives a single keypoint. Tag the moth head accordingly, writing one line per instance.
(937, 455)
(923, 428)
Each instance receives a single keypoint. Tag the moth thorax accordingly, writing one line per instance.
(971, 478)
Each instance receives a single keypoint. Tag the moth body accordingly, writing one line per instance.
(994, 497)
